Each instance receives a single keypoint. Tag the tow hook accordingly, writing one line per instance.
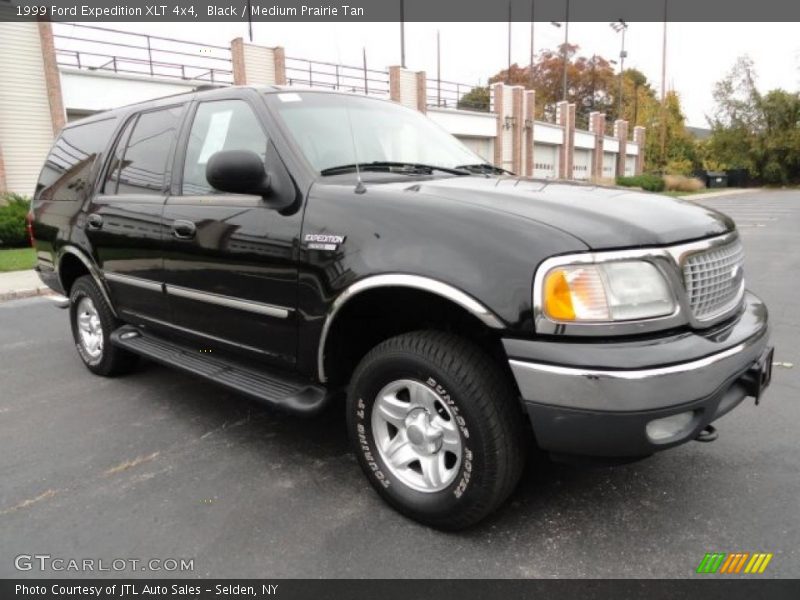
(709, 434)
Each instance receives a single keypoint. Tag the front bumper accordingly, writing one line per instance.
(596, 399)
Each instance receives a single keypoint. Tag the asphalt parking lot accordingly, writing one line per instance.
(161, 465)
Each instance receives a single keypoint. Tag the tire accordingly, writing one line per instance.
(92, 322)
(418, 468)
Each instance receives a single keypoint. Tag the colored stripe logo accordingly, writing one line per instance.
(734, 563)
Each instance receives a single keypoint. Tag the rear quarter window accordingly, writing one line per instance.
(71, 165)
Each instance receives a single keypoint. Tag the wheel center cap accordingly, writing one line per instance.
(421, 434)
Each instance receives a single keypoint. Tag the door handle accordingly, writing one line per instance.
(95, 221)
(183, 230)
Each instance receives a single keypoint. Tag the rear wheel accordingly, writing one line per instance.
(437, 428)
(92, 323)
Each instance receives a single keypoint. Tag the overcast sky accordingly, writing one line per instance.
(698, 54)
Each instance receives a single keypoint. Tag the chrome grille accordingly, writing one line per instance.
(714, 279)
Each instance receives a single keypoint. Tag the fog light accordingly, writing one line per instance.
(660, 430)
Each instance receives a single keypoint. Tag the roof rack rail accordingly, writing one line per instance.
(208, 86)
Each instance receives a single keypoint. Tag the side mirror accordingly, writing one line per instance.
(238, 172)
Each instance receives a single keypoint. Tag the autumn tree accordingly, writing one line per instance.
(593, 85)
(754, 131)
(590, 82)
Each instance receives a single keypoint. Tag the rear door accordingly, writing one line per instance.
(123, 222)
(230, 260)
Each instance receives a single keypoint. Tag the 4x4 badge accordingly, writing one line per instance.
(323, 241)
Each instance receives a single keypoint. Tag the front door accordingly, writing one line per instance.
(123, 222)
(229, 262)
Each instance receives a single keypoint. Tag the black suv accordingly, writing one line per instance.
(305, 247)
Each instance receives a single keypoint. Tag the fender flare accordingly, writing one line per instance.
(444, 290)
(91, 267)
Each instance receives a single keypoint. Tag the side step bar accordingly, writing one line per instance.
(293, 396)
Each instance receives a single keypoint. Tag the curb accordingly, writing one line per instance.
(719, 194)
(28, 293)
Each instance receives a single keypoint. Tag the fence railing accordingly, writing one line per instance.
(313, 73)
(450, 94)
(102, 49)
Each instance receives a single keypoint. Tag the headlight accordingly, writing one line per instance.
(612, 291)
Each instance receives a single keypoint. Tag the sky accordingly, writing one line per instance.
(698, 54)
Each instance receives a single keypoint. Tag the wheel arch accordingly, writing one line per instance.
(415, 292)
(73, 263)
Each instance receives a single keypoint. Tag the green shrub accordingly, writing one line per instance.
(651, 183)
(13, 211)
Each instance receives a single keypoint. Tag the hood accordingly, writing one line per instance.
(601, 217)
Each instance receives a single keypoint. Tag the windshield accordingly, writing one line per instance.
(381, 132)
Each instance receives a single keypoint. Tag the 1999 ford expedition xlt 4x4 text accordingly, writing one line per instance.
(328, 246)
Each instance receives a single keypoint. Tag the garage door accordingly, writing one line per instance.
(483, 147)
(545, 161)
(630, 165)
(609, 165)
(581, 164)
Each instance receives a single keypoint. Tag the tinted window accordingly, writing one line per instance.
(220, 125)
(69, 170)
(112, 177)
(144, 162)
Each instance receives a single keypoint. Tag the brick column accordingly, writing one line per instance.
(408, 88)
(517, 128)
(597, 126)
(530, 113)
(237, 60)
(621, 133)
(257, 65)
(279, 56)
(639, 138)
(498, 92)
(565, 116)
(52, 77)
(422, 92)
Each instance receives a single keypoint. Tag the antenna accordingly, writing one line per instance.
(360, 187)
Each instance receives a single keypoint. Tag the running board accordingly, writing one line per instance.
(293, 396)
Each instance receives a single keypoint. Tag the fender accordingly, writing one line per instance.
(427, 284)
(93, 271)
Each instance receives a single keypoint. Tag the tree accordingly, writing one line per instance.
(593, 85)
(475, 99)
(760, 133)
(590, 82)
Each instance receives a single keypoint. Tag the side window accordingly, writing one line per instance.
(112, 177)
(68, 172)
(219, 125)
(142, 169)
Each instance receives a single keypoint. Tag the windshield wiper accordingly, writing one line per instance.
(483, 168)
(393, 167)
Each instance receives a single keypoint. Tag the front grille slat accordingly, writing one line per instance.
(713, 279)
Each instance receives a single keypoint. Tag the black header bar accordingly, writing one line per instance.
(99, 11)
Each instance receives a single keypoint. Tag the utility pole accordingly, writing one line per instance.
(620, 26)
(664, 91)
(403, 33)
(438, 70)
(566, 50)
(249, 20)
(508, 72)
(366, 79)
(532, 48)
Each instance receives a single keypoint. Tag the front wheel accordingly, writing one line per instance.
(436, 427)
